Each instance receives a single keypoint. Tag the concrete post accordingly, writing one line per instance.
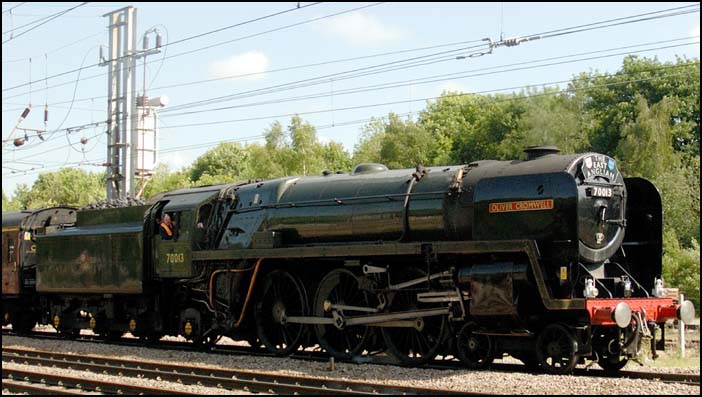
(681, 324)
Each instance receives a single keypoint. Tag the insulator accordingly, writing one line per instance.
(46, 114)
(146, 42)
(19, 142)
(25, 113)
(83, 140)
(159, 40)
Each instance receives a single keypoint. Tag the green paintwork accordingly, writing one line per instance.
(174, 258)
(111, 216)
(94, 257)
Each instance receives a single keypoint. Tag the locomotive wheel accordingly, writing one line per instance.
(418, 345)
(613, 364)
(474, 350)
(556, 349)
(282, 295)
(341, 287)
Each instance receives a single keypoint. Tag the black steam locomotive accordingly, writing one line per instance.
(552, 260)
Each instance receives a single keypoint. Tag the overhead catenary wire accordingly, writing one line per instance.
(549, 93)
(373, 105)
(320, 80)
(56, 49)
(590, 26)
(338, 124)
(283, 69)
(241, 38)
(463, 74)
(13, 7)
(57, 15)
(74, 97)
(434, 79)
(324, 79)
(317, 81)
(448, 76)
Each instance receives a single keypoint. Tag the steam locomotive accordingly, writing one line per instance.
(554, 259)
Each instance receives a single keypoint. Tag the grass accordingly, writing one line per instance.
(671, 356)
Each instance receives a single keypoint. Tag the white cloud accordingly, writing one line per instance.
(174, 160)
(361, 29)
(241, 64)
(695, 31)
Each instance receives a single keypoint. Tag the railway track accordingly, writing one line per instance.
(228, 379)
(450, 364)
(42, 383)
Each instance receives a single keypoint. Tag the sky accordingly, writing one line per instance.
(347, 62)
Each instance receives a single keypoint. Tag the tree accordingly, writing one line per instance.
(467, 128)
(612, 99)
(305, 157)
(367, 150)
(68, 186)
(164, 180)
(681, 267)
(226, 162)
(645, 147)
(549, 118)
(405, 144)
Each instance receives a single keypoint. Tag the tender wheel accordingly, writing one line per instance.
(151, 338)
(112, 336)
(417, 345)
(282, 296)
(556, 350)
(340, 287)
(206, 342)
(23, 324)
(474, 350)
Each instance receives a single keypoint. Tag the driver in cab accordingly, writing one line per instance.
(166, 228)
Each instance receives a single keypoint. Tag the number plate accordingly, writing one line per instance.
(598, 191)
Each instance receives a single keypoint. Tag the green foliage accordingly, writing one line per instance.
(225, 162)
(68, 186)
(8, 205)
(681, 267)
(645, 147)
(680, 192)
(405, 144)
(548, 118)
(614, 102)
(367, 150)
(467, 128)
(164, 180)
